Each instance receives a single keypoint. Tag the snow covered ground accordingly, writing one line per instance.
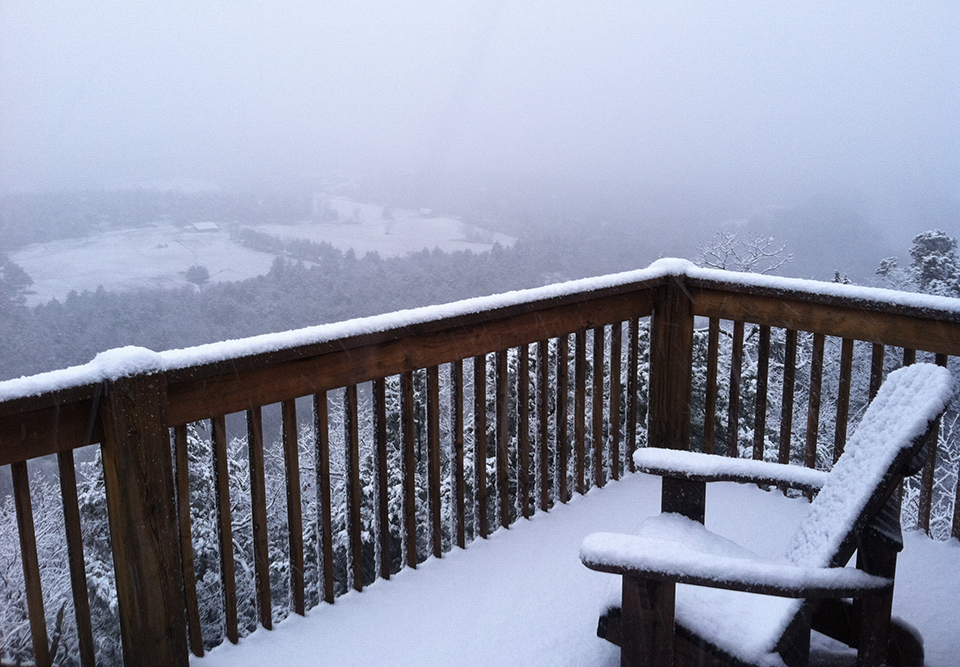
(522, 597)
(127, 259)
(158, 255)
(390, 232)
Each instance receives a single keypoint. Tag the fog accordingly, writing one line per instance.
(768, 102)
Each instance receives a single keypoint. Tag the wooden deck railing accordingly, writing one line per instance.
(493, 381)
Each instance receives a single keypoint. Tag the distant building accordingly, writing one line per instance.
(203, 227)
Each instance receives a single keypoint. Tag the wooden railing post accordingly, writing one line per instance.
(138, 474)
(671, 360)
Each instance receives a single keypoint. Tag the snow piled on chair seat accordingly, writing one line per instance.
(909, 399)
(745, 625)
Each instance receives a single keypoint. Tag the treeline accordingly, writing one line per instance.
(332, 286)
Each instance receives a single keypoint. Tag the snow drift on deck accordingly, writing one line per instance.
(523, 597)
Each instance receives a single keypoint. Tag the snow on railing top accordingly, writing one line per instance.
(131, 360)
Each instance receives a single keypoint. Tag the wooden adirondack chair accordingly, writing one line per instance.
(743, 610)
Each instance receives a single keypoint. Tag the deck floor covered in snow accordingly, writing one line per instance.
(522, 597)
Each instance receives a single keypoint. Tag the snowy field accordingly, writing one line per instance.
(127, 259)
(523, 597)
(158, 256)
(390, 232)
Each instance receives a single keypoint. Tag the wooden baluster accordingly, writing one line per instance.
(186, 538)
(291, 463)
(383, 474)
(523, 436)
(580, 409)
(760, 413)
(876, 379)
(563, 395)
(30, 562)
(258, 506)
(633, 365)
(503, 441)
(733, 407)
(351, 443)
(786, 403)
(929, 471)
(322, 429)
(407, 418)
(228, 575)
(616, 345)
(843, 398)
(710, 400)
(597, 435)
(480, 439)
(141, 506)
(456, 399)
(543, 422)
(813, 407)
(78, 573)
(955, 529)
(433, 458)
(909, 358)
(876, 369)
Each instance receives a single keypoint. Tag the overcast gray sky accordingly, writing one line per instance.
(758, 96)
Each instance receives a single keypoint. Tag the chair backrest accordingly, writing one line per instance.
(891, 433)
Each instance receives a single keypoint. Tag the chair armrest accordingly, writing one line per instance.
(668, 560)
(712, 468)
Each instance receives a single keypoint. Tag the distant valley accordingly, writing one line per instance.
(158, 254)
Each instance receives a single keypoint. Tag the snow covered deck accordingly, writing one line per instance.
(522, 597)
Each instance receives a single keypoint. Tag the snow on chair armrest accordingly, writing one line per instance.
(712, 468)
(672, 547)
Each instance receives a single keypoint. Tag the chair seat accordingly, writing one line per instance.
(743, 625)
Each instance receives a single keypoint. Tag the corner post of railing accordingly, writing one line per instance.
(671, 361)
(138, 475)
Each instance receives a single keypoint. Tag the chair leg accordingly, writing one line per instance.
(794, 645)
(872, 612)
(874, 617)
(647, 632)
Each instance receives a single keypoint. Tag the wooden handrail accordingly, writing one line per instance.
(66, 419)
(871, 321)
